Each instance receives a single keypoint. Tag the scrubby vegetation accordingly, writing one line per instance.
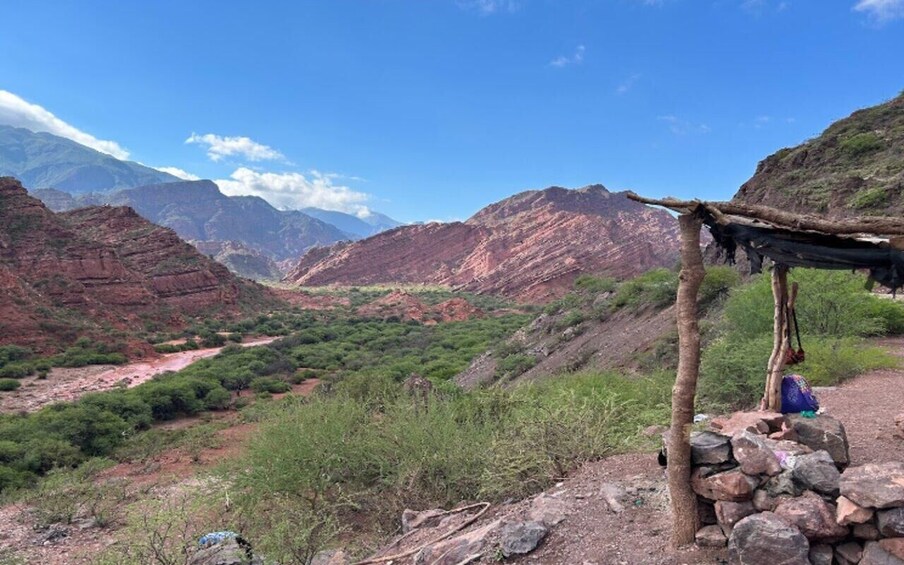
(835, 312)
(19, 362)
(370, 451)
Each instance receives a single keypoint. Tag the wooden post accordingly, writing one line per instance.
(683, 498)
(772, 398)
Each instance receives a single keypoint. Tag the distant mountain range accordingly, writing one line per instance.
(67, 275)
(530, 246)
(245, 232)
(856, 167)
(43, 160)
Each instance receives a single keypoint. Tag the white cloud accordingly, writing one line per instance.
(881, 11)
(219, 146)
(627, 84)
(290, 191)
(680, 126)
(15, 111)
(576, 59)
(177, 172)
(487, 7)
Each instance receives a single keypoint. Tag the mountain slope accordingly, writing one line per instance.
(198, 211)
(856, 167)
(530, 247)
(67, 274)
(373, 224)
(43, 160)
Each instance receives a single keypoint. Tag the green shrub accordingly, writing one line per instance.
(9, 384)
(657, 288)
(869, 198)
(860, 144)
(595, 285)
(269, 384)
(717, 283)
(515, 365)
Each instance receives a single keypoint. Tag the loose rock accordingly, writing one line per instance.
(891, 522)
(895, 546)
(822, 432)
(730, 513)
(711, 536)
(766, 538)
(731, 485)
(875, 485)
(709, 448)
(849, 512)
(852, 551)
(822, 554)
(817, 472)
(867, 532)
(813, 516)
(521, 538)
(756, 422)
(875, 554)
(755, 457)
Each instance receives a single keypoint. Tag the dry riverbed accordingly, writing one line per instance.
(67, 384)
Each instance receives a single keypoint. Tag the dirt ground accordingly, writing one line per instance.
(67, 384)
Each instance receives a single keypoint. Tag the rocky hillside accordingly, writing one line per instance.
(856, 167)
(241, 259)
(43, 160)
(65, 275)
(530, 247)
(198, 211)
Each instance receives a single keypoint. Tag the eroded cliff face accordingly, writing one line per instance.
(529, 247)
(63, 274)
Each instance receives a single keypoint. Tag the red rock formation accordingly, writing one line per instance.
(530, 247)
(65, 274)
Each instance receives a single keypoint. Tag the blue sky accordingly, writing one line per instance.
(431, 109)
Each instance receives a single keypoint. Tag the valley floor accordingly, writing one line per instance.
(592, 533)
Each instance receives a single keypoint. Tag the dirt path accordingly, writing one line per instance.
(69, 384)
(867, 406)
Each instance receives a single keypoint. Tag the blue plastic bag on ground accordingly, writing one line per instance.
(797, 396)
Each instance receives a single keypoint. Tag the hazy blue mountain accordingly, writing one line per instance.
(353, 225)
(43, 160)
(198, 211)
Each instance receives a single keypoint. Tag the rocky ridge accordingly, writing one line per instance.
(529, 247)
(853, 168)
(69, 273)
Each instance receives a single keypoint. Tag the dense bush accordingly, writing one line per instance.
(383, 456)
(9, 384)
(835, 312)
(656, 288)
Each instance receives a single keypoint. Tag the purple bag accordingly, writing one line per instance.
(797, 396)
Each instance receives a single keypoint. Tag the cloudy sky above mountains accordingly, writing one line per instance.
(434, 109)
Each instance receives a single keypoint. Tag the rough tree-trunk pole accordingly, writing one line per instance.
(772, 398)
(684, 501)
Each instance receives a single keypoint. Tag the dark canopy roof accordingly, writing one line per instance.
(794, 240)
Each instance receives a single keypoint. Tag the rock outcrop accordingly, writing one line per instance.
(64, 274)
(530, 247)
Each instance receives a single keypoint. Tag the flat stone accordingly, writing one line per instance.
(813, 516)
(522, 537)
(457, 549)
(753, 455)
(710, 536)
(710, 448)
(756, 422)
(615, 496)
(817, 472)
(822, 432)
(895, 546)
(867, 532)
(730, 513)
(852, 551)
(549, 510)
(331, 557)
(766, 538)
(891, 522)
(731, 485)
(875, 554)
(821, 554)
(849, 512)
(875, 485)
